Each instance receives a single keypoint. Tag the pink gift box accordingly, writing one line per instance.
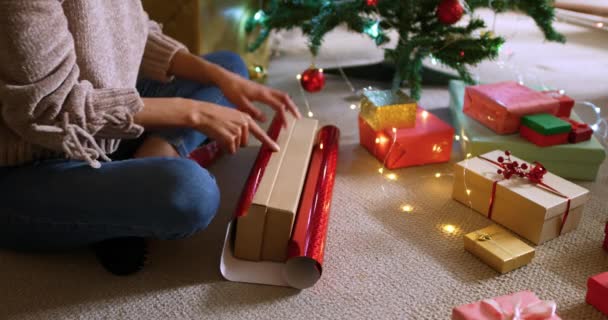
(500, 106)
(524, 303)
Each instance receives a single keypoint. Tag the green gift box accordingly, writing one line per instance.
(546, 124)
(579, 161)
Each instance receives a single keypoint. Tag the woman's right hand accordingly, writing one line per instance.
(229, 127)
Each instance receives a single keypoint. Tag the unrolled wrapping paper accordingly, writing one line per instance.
(307, 244)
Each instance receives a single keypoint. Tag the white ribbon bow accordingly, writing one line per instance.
(539, 310)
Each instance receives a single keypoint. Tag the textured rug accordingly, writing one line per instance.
(380, 262)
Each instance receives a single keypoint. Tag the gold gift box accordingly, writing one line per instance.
(498, 248)
(385, 109)
(529, 210)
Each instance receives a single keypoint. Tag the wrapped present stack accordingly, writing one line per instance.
(537, 126)
(400, 134)
(597, 292)
(523, 197)
(521, 305)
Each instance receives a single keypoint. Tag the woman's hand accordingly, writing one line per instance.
(243, 92)
(229, 127)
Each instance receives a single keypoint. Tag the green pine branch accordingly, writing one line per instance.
(420, 32)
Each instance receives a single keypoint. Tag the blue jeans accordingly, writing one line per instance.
(64, 204)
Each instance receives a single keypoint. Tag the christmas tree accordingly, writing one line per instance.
(425, 27)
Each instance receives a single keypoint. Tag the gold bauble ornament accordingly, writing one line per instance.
(257, 72)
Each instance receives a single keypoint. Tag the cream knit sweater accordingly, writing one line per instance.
(68, 70)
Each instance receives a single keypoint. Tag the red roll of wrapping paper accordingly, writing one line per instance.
(307, 244)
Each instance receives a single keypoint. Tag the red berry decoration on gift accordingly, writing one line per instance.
(371, 3)
(312, 80)
(449, 11)
(509, 168)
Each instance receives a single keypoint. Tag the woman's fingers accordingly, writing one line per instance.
(277, 105)
(262, 136)
(248, 107)
(291, 107)
(245, 131)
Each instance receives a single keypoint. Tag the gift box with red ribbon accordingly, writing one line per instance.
(521, 305)
(565, 102)
(523, 197)
(499, 106)
(580, 131)
(429, 141)
(597, 292)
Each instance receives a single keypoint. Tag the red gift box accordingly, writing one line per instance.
(542, 140)
(606, 238)
(429, 141)
(597, 292)
(500, 106)
(565, 103)
(580, 131)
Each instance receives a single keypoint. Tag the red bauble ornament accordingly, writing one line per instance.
(312, 80)
(371, 3)
(449, 11)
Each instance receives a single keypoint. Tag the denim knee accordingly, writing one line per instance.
(193, 200)
(230, 61)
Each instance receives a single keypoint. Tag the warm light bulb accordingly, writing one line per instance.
(259, 15)
(391, 176)
(299, 77)
(321, 146)
(469, 155)
(394, 130)
(407, 208)
(599, 25)
(381, 140)
(457, 137)
(448, 228)
(437, 175)
(468, 192)
(353, 107)
(425, 114)
(310, 114)
(381, 170)
(321, 70)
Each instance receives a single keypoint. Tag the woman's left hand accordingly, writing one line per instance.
(243, 92)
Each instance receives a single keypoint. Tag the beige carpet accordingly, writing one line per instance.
(380, 262)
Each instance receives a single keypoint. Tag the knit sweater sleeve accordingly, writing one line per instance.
(158, 53)
(42, 98)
